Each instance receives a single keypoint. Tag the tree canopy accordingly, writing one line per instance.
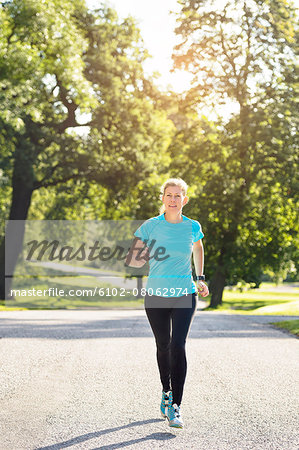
(243, 165)
(65, 68)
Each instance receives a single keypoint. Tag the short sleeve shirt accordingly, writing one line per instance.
(171, 246)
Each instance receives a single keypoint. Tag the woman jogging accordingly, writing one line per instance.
(171, 293)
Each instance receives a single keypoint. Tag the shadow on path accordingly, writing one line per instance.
(96, 434)
(205, 326)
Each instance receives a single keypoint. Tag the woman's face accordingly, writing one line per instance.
(174, 199)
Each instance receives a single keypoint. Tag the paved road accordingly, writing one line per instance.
(88, 380)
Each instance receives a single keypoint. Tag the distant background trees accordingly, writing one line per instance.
(85, 135)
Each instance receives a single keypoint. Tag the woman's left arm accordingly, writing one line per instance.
(198, 258)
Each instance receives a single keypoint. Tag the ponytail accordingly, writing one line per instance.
(162, 209)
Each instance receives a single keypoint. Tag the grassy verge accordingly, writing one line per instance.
(101, 294)
(290, 325)
(255, 301)
(73, 304)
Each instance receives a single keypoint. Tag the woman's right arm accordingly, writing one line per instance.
(138, 254)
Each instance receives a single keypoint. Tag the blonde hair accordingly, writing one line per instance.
(172, 182)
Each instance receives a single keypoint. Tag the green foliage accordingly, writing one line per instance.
(235, 49)
(83, 69)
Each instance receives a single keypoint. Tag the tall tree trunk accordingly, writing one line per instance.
(217, 286)
(218, 281)
(22, 184)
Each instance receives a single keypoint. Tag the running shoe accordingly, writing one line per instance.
(174, 416)
(166, 402)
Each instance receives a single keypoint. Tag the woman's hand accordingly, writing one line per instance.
(202, 288)
(138, 254)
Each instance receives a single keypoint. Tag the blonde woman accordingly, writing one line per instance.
(171, 293)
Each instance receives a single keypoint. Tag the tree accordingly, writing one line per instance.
(64, 67)
(241, 54)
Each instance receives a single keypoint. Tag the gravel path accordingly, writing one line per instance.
(89, 380)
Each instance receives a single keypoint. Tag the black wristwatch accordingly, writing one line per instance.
(200, 278)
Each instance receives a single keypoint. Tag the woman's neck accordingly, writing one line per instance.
(173, 218)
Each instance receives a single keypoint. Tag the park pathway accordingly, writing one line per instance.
(88, 380)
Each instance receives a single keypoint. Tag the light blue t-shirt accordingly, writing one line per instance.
(170, 245)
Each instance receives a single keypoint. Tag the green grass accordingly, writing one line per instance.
(290, 325)
(67, 301)
(11, 308)
(78, 304)
(269, 284)
(255, 301)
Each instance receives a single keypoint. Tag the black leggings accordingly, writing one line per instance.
(170, 327)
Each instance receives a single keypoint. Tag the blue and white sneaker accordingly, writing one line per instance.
(166, 402)
(174, 416)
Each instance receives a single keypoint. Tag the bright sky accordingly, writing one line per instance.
(157, 29)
